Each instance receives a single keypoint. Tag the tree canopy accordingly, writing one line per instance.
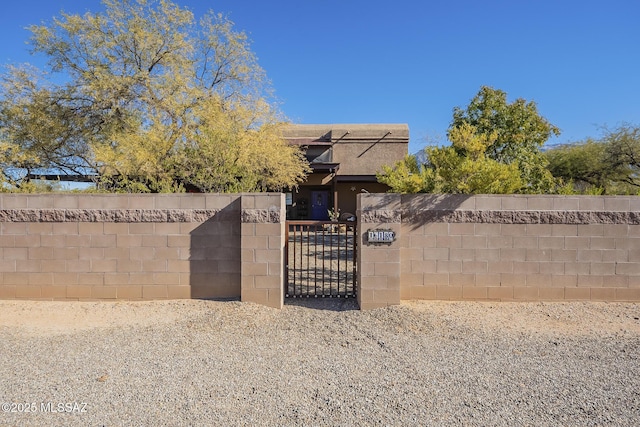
(495, 149)
(151, 99)
(608, 165)
(520, 134)
(462, 168)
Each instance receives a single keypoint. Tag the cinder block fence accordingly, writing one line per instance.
(506, 248)
(135, 247)
(139, 247)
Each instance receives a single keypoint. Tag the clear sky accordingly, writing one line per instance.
(413, 61)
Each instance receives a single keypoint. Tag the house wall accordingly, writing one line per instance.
(367, 157)
(348, 192)
(502, 248)
(360, 149)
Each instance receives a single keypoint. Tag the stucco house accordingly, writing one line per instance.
(344, 159)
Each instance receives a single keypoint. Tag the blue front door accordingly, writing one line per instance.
(320, 205)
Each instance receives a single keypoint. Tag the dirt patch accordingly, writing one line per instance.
(564, 318)
(41, 318)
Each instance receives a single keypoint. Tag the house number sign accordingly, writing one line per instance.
(381, 236)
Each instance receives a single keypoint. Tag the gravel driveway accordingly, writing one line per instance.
(201, 363)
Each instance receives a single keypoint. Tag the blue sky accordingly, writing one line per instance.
(359, 61)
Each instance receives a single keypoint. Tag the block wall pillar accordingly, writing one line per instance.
(262, 257)
(378, 263)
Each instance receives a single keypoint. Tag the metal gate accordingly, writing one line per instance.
(320, 259)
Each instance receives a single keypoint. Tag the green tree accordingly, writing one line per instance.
(147, 88)
(581, 164)
(463, 167)
(520, 134)
(495, 148)
(623, 153)
(408, 176)
(37, 132)
(609, 165)
(229, 156)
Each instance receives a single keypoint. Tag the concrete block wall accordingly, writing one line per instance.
(379, 264)
(72, 246)
(134, 247)
(520, 248)
(263, 241)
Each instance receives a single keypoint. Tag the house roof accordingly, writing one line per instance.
(329, 134)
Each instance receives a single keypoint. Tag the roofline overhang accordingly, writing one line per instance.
(325, 167)
(330, 134)
(356, 178)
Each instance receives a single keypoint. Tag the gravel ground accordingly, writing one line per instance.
(200, 363)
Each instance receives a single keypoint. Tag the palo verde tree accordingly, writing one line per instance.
(461, 168)
(151, 99)
(495, 149)
(608, 165)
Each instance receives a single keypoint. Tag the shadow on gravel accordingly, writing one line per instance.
(330, 304)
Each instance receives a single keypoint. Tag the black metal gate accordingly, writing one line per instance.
(320, 259)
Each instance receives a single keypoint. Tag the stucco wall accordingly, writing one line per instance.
(348, 191)
(367, 157)
(360, 149)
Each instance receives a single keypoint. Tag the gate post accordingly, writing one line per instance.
(379, 224)
(262, 249)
